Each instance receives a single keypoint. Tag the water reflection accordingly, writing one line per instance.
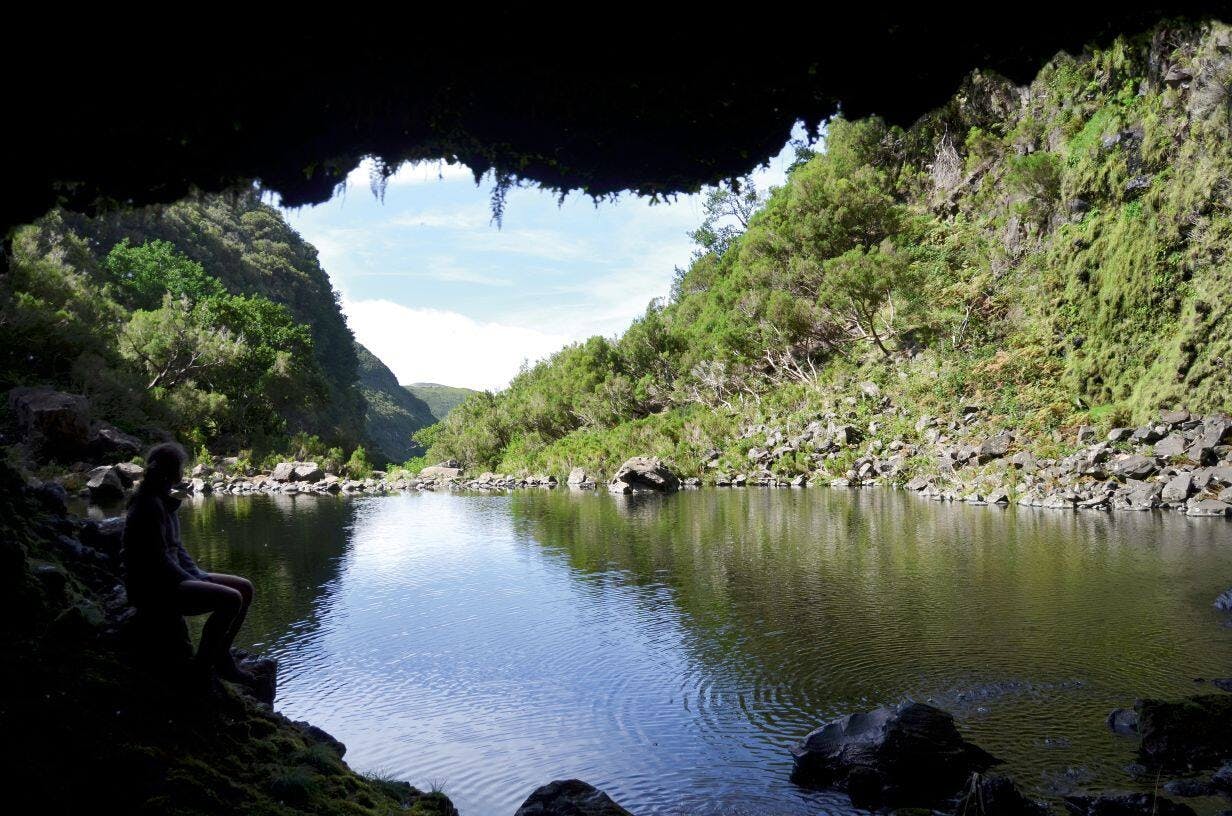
(668, 649)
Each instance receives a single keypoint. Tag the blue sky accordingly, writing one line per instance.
(441, 294)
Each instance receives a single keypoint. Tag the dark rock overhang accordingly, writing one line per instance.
(106, 115)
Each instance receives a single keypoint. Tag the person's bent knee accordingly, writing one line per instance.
(230, 601)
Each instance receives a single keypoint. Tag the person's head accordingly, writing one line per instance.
(164, 468)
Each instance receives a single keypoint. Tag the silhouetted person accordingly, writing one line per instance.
(163, 578)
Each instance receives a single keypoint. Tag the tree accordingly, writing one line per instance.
(146, 272)
(865, 286)
(172, 345)
(728, 209)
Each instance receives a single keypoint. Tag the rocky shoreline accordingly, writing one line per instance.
(1180, 462)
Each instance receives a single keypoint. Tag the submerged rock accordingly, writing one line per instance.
(1224, 601)
(905, 756)
(570, 797)
(644, 473)
(1125, 804)
(1123, 721)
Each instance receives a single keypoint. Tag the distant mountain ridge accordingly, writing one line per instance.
(441, 399)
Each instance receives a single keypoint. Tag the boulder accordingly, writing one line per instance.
(1187, 734)
(1171, 445)
(576, 476)
(308, 472)
(106, 535)
(1120, 434)
(53, 423)
(129, 472)
(997, 795)
(644, 473)
(570, 797)
(1222, 778)
(1134, 466)
(1224, 601)
(52, 497)
(109, 442)
(440, 472)
(1125, 804)
(1174, 417)
(105, 485)
(1207, 507)
(1178, 487)
(910, 755)
(283, 472)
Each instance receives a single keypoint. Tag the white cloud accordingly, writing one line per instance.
(411, 173)
(431, 345)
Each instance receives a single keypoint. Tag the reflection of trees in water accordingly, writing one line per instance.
(290, 547)
(873, 592)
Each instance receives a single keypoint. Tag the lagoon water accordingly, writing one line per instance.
(669, 649)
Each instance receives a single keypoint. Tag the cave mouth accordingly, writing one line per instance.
(135, 116)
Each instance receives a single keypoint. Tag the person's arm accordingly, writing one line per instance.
(145, 547)
(185, 560)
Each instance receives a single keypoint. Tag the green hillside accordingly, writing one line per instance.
(393, 412)
(1053, 255)
(211, 318)
(441, 399)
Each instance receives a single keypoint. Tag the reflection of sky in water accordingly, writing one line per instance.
(668, 651)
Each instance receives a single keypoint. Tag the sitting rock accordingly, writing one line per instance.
(577, 476)
(644, 473)
(570, 797)
(910, 755)
(1125, 804)
(997, 795)
(105, 485)
(264, 671)
(1171, 445)
(1187, 734)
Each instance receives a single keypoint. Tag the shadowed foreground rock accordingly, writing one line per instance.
(1125, 804)
(907, 756)
(570, 797)
(1187, 734)
(997, 796)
